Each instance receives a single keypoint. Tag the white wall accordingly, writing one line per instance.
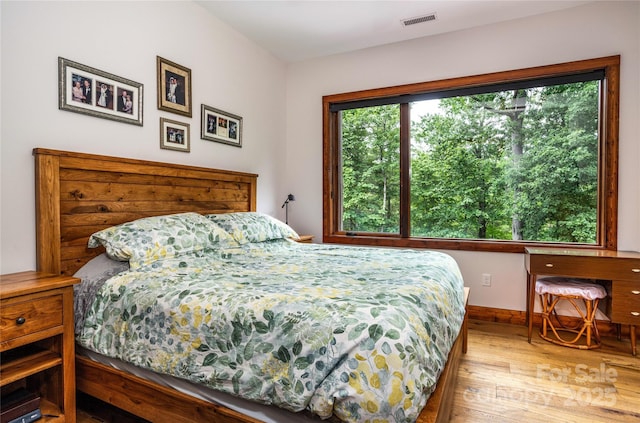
(124, 38)
(233, 74)
(584, 32)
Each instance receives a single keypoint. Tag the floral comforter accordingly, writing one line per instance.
(360, 334)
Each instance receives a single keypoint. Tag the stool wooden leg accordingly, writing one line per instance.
(544, 302)
(632, 329)
(544, 299)
(596, 334)
(588, 322)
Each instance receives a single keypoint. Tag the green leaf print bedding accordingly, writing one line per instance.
(356, 333)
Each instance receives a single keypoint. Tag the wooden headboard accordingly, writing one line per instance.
(78, 194)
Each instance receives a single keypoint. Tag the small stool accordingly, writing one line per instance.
(554, 289)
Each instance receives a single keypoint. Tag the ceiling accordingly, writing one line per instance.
(296, 30)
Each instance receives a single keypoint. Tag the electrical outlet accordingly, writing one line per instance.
(486, 279)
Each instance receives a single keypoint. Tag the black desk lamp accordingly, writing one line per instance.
(290, 197)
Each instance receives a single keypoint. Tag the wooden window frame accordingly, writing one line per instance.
(607, 228)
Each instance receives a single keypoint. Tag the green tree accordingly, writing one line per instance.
(457, 187)
(516, 164)
(370, 169)
(559, 192)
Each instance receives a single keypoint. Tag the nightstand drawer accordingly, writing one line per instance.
(26, 317)
(625, 302)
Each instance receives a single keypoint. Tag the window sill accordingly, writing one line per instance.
(496, 246)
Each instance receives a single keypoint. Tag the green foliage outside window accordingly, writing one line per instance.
(520, 164)
(370, 169)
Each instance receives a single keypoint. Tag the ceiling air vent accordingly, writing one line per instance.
(419, 19)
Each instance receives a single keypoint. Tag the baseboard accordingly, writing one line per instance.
(499, 315)
(517, 317)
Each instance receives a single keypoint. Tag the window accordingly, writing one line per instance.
(492, 162)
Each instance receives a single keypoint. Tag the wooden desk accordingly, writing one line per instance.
(622, 268)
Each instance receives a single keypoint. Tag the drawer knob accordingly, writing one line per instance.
(549, 264)
(634, 292)
(635, 270)
(635, 313)
(20, 320)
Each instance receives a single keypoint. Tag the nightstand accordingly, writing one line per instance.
(37, 340)
(305, 239)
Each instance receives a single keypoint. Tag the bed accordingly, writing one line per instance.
(79, 194)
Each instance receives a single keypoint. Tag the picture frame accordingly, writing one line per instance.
(174, 87)
(219, 126)
(174, 135)
(90, 91)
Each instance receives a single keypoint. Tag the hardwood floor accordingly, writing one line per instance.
(503, 378)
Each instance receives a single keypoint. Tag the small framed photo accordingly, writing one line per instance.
(86, 90)
(174, 87)
(220, 126)
(174, 135)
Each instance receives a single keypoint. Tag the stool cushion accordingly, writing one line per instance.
(567, 286)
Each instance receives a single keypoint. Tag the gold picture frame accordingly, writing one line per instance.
(174, 87)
